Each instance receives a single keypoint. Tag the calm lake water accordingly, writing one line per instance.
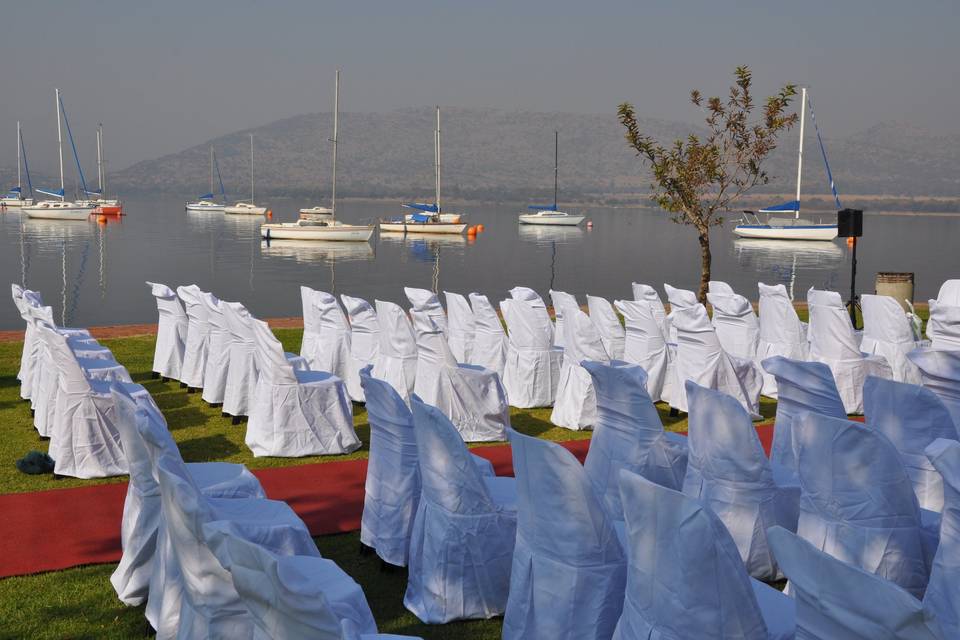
(93, 274)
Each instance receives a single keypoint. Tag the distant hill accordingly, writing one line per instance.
(494, 154)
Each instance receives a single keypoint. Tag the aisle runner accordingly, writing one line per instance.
(62, 528)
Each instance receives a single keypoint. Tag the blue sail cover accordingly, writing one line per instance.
(15, 190)
(419, 217)
(421, 206)
(95, 192)
(546, 207)
(57, 194)
(206, 196)
(793, 206)
(76, 156)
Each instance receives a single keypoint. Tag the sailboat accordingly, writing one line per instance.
(549, 215)
(247, 208)
(309, 228)
(430, 217)
(60, 209)
(206, 201)
(104, 206)
(15, 196)
(796, 228)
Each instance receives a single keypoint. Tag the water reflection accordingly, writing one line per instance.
(314, 251)
(545, 235)
(784, 261)
(421, 239)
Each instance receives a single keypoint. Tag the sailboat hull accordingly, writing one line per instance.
(422, 227)
(787, 232)
(204, 206)
(16, 202)
(58, 211)
(295, 231)
(245, 210)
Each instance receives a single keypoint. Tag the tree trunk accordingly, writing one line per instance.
(705, 259)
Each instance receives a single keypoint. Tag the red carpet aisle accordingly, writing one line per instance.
(62, 528)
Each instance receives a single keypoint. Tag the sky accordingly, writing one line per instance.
(164, 76)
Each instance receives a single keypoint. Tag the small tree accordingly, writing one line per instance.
(693, 179)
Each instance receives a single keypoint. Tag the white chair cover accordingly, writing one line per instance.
(729, 472)
(719, 287)
(670, 538)
(839, 600)
(942, 598)
(646, 293)
(943, 327)
(332, 350)
(888, 332)
(364, 341)
(700, 358)
(489, 340)
(217, 366)
(471, 397)
(911, 417)
(141, 509)
(569, 569)
(629, 435)
(171, 332)
(288, 596)
(833, 342)
(678, 299)
(428, 302)
(781, 332)
(803, 386)
(397, 357)
(940, 372)
(575, 405)
(529, 295)
(532, 370)
(242, 372)
(608, 324)
(857, 501)
(646, 346)
(560, 301)
(296, 412)
(209, 606)
(461, 326)
(736, 323)
(198, 335)
(461, 545)
(28, 355)
(311, 327)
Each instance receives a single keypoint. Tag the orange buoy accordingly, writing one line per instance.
(270, 214)
(472, 231)
(480, 228)
(851, 241)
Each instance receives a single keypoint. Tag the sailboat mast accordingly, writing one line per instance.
(251, 168)
(60, 144)
(19, 145)
(211, 168)
(556, 166)
(803, 112)
(336, 127)
(100, 158)
(437, 157)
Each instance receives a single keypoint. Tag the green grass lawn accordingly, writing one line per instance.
(80, 602)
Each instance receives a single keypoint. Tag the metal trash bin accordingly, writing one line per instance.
(898, 286)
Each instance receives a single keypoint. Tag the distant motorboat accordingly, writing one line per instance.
(552, 218)
(247, 208)
(14, 197)
(206, 201)
(308, 230)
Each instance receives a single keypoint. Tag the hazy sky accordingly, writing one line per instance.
(169, 74)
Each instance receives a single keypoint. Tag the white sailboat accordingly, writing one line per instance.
(206, 201)
(309, 228)
(15, 196)
(429, 218)
(247, 208)
(105, 206)
(60, 209)
(785, 228)
(550, 216)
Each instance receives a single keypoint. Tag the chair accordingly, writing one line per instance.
(217, 367)
(803, 387)
(836, 599)
(461, 326)
(942, 598)
(171, 332)
(461, 546)
(832, 342)
(489, 340)
(561, 300)
(888, 332)
(912, 418)
(397, 357)
(646, 293)
(311, 327)
(736, 323)
(670, 538)
(943, 327)
(608, 324)
(471, 397)
(728, 471)
(569, 569)
(529, 295)
(781, 332)
(646, 346)
(701, 358)
(296, 412)
(532, 369)
(198, 336)
(242, 372)
(857, 501)
(288, 596)
(29, 353)
(364, 341)
(332, 347)
(575, 404)
(629, 435)
(428, 302)
(940, 372)
(141, 522)
(678, 299)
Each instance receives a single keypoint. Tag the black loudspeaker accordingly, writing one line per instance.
(850, 223)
